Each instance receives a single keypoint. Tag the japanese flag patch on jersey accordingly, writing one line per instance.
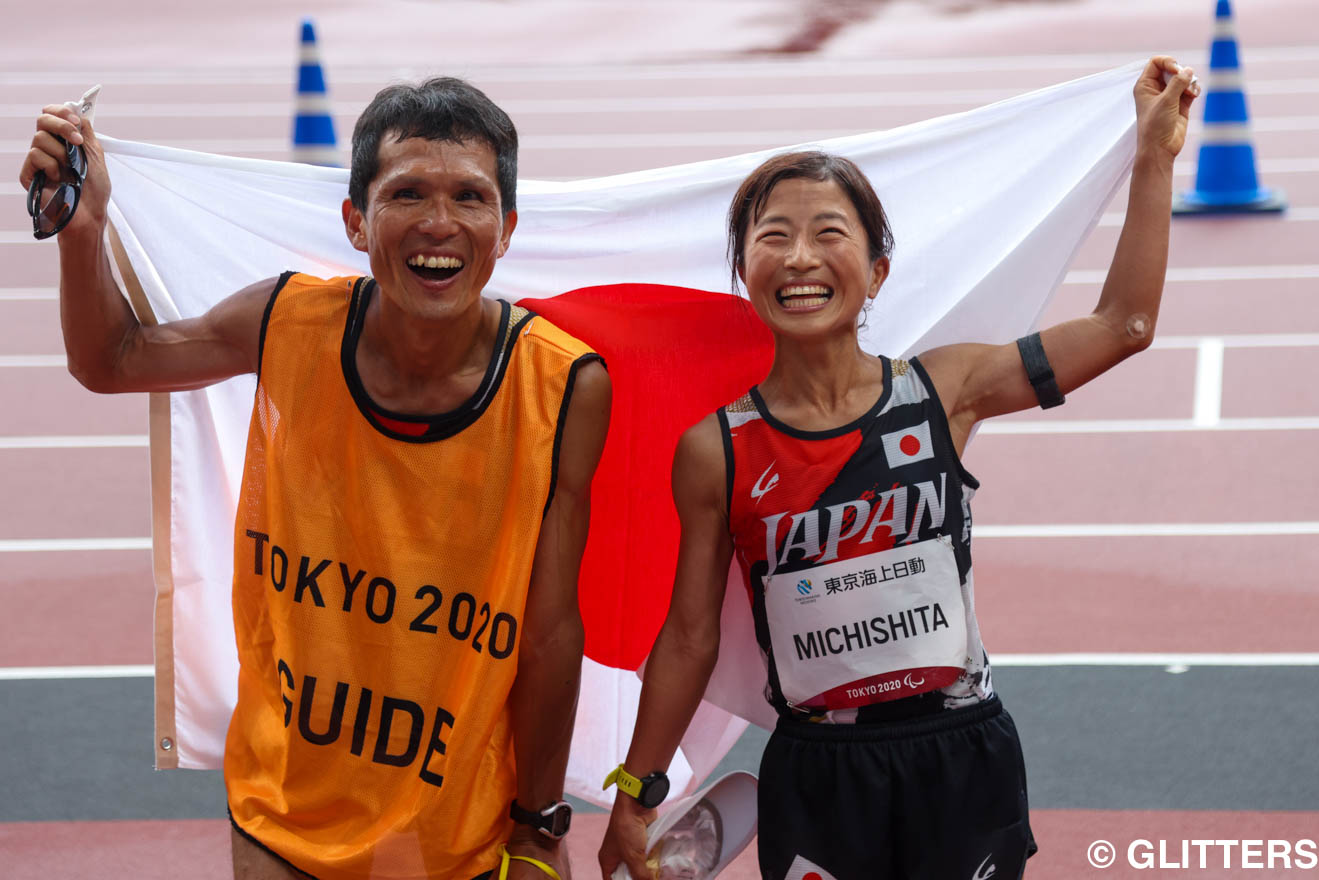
(804, 869)
(908, 446)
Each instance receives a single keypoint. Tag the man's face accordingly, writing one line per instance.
(433, 226)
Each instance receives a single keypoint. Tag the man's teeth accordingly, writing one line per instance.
(435, 262)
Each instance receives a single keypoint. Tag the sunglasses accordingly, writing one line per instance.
(55, 214)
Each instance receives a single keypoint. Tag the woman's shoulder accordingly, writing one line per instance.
(701, 439)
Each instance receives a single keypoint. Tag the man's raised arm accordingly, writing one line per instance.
(108, 349)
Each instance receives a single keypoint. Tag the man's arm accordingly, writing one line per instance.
(544, 697)
(980, 381)
(687, 647)
(108, 349)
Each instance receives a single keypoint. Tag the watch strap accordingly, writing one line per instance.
(546, 821)
(523, 816)
(626, 782)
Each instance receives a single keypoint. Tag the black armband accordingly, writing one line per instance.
(1039, 372)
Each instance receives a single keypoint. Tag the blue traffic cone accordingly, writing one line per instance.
(313, 126)
(1225, 179)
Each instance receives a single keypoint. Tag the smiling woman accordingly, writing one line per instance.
(838, 485)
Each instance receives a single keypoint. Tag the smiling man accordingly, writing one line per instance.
(414, 507)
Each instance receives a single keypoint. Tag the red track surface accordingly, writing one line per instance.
(198, 849)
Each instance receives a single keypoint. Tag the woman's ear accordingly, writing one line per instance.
(878, 274)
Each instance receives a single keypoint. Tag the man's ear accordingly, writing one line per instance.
(878, 274)
(510, 223)
(353, 225)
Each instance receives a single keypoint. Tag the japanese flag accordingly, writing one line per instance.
(988, 208)
(908, 446)
(803, 868)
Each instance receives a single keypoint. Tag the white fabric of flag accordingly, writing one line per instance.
(988, 208)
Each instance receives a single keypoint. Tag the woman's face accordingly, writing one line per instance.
(806, 262)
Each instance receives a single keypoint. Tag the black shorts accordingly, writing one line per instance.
(936, 798)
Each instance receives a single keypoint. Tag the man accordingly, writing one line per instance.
(414, 507)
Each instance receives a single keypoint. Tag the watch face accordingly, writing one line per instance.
(560, 818)
(654, 789)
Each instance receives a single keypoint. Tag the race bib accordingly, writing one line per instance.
(869, 629)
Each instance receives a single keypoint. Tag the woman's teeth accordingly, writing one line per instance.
(804, 296)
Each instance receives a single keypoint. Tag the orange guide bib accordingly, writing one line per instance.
(379, 587)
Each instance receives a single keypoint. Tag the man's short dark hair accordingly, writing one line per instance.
(440, 109)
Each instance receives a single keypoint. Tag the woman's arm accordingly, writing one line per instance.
(980, 381)
(688, 644)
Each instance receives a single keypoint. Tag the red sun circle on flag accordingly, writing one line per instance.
(707, 349)
(910, 445)
(811, 876)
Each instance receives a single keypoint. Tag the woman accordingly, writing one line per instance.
(837, 481)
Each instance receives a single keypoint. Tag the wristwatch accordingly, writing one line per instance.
(553, 821)
(650, 791)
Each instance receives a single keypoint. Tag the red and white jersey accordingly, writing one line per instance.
(845, 513)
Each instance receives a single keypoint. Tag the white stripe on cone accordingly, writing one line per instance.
(316, 154)
(1226, 133)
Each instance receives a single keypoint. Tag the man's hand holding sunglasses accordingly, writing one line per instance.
(67, 165)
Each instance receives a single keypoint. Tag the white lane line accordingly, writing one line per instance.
(1015, 427)
(1209, 273)
(33, 360)
(1242, 340)
(1147, 530)
(521, 107)
(23, 294)
(1208, 383)
(1292, 165)
(376, 75)
(1291, 215)
(1044, 530)
(45, 673)
(75, 441)
(119, 114)
(1143, 426)
(63, 545)
(740, 139)
(1098, 659)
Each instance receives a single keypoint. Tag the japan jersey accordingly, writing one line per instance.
(845, 512)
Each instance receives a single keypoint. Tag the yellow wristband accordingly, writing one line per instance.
(627, 783)
(505, 856)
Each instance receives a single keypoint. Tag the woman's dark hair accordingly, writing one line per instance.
(749, 203)
(440, 109)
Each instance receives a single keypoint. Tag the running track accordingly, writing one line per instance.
(1145, 554)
